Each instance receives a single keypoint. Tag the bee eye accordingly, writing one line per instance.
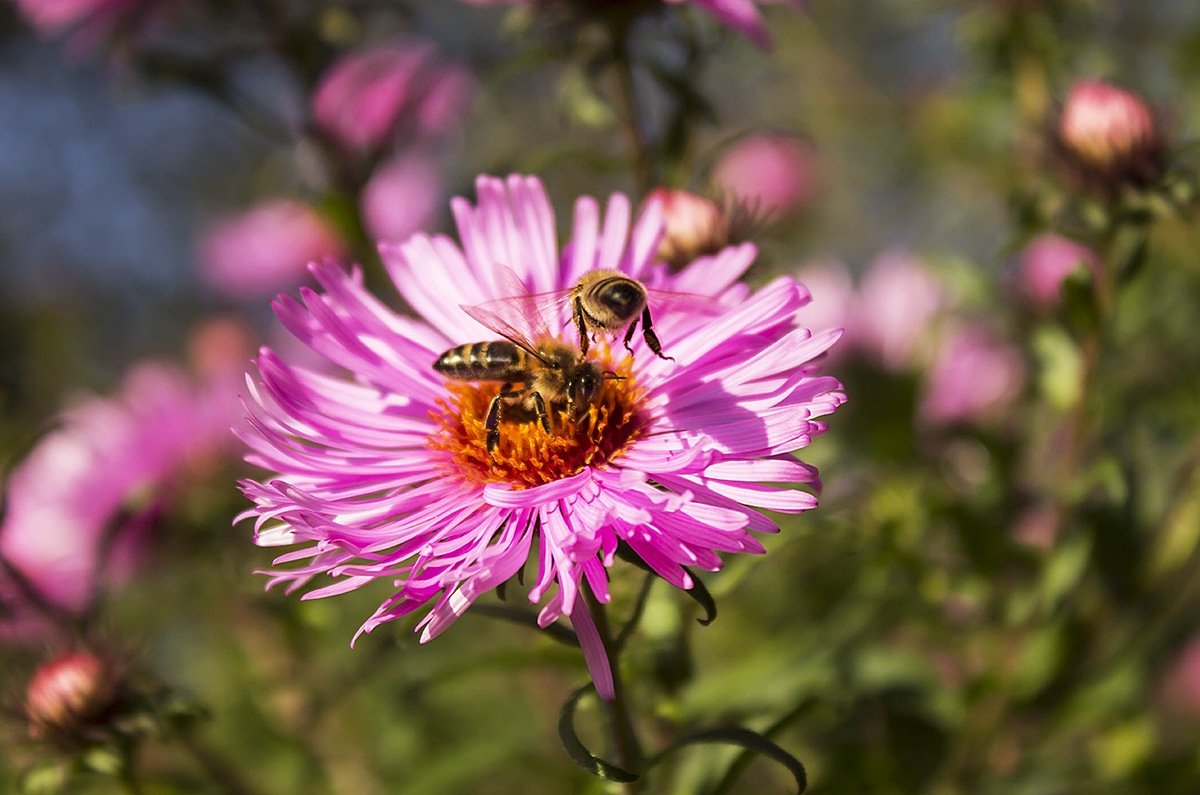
(621, 296)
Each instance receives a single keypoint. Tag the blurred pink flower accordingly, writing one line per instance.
(1102, 124)
(1109, 137)
(1181, 684)
(265, 249)
(1046, 262)
(390, 91)
(834, 300)
(91, 487)
(773, 173)
(743, 16)
(898, 301)
(973, 379)
(387, 476)
(401, 197)
(52, 17)
(69, 693)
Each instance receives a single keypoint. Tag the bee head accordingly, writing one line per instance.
(622, 297)
(584, 386)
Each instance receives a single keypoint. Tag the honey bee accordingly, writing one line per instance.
(551, 373)
(601, 301)
(611, 301)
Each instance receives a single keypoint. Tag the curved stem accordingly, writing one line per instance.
(640, 154)
(617, 721)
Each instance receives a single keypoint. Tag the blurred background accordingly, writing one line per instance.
(1000, 591)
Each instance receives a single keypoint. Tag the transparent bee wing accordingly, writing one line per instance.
(519, 316)
(664, 301)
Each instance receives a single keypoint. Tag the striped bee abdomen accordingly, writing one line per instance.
(499, 360)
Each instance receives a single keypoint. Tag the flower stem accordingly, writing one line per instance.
(218, 770)
(617, 721)
(640, 154)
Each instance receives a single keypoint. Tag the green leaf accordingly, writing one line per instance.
(578, 751)
(745, 738)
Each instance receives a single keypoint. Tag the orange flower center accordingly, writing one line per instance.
(527, 455)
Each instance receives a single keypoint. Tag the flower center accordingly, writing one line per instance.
(526, 454)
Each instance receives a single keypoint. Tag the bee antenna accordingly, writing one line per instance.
(609, 375)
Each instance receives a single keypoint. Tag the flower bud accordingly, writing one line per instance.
(974, 378)
(1109, 136)
(1045, 264)
(694, 226)
(70, 695)
(265, 249)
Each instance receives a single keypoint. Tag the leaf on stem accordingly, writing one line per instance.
(745, 738)
(578, 751)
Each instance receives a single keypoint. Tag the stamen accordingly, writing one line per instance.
(527, 455)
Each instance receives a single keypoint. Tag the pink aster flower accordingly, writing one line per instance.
(387, 476)
(95, 483)
(974, 378)
(367, 97)
(264, 249)
(774, 173)
(1046, 262)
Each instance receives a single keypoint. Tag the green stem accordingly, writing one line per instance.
(218, 770)
(640, 154)
(617, 720)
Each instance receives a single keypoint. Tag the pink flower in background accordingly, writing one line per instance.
(52, 17)
(1181, 685)
(384, 92)
(265, 249)
(1105, 126)
(974, 378)
(78, 505)
(402, 196)
(834, 300)
(898, 301)
(1045, 264)
(743, 16)
(386, 476)
(774, 173)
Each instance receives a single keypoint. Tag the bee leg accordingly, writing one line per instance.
(650, 337)
(629, 332)
(577, 318)
(539, 407)
(492, 422)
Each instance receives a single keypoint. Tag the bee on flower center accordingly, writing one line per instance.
(551, 374)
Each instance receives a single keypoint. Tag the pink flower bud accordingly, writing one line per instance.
(370, 96)
(898, 300)
(1045, 264)
(1108, 133)
(265, 249)
(974, 378)
(69, 694)
(694, 226)
(773, 173)
(401, 197)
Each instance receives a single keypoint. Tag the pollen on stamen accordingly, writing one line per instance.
(527, 455)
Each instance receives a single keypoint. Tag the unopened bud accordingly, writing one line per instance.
(1046, 263)
(1109, 135)
(69, 695)
(694, 226)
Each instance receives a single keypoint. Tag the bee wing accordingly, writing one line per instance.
(520, 316)
(663, 301)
